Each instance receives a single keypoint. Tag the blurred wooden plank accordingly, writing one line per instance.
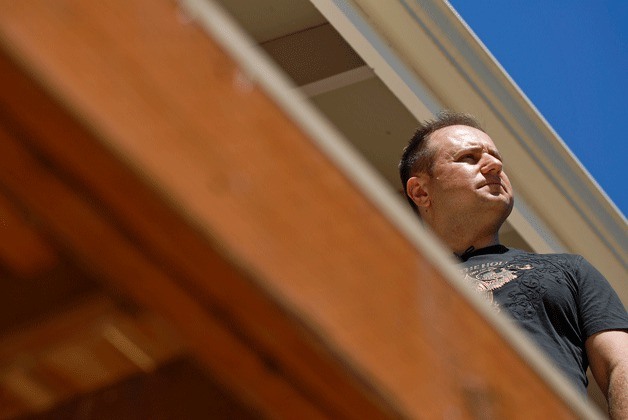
(177, 390)
(185, 187)
(73, 351)
(27, 300)
(108, 176)
(79, 224)
(22, 250)
(23, 386)
(62, 325)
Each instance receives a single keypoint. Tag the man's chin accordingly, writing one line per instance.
(500, 204)
(499, 197)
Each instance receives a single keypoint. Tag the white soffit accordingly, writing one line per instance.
(261, 18)
(423, 49)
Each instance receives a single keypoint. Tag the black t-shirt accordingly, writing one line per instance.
(558, 299)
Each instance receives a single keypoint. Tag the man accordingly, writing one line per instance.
(454, 178)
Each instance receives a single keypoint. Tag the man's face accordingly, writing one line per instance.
(467, 178)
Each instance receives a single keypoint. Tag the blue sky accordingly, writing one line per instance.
(570, 57)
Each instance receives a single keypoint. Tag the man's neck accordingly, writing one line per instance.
(460, 233)
(459, 247)
(460, 240)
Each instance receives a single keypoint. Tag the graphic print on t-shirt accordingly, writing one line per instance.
(490, 276)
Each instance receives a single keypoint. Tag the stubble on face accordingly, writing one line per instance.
(467, 183)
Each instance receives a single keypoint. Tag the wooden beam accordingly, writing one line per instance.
(79, 349)
(22, 250)
(97, 241)
(131, 134)
(49, 177)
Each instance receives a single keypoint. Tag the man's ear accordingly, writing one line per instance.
(417, 190)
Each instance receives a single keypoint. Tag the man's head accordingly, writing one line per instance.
(453, 176)
(418, 156)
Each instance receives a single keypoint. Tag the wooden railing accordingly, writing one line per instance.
(147, 156)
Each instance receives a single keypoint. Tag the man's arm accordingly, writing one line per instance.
(608, 358)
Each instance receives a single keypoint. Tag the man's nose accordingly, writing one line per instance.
(491, 165)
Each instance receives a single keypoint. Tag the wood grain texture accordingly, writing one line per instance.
(157, 165)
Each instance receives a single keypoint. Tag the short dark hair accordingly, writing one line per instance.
(417, 157)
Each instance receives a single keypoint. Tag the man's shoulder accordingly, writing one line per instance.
(549, 256)
(561, 257)
(557, 258)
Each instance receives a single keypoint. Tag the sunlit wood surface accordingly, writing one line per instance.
(132, 147)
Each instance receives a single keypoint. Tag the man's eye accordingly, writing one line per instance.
(469, 157)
